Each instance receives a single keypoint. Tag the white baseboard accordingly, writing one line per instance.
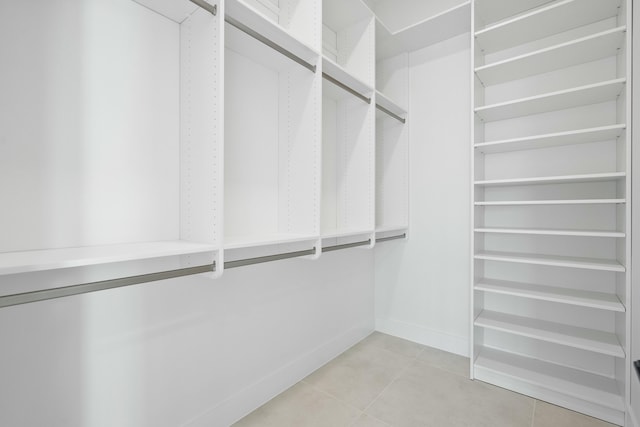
(257, 394)
(424, 336)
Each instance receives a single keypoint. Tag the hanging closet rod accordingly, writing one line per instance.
(212, 8)
(346, 246)
(268, 258)
(229, 20)
(66, 291)
(386, 239)
(394, 115)
(347, 88)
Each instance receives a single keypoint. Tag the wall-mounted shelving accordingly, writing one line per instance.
(550, 186)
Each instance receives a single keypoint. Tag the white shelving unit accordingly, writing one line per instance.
(348, 124)
(551, 221)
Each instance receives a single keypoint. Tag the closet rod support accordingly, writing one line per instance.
(211, 8)
(84, 288)
(229, 20)
(268, 258)
(391, 114)
(386, 239)
(346, 246)
(347, 88)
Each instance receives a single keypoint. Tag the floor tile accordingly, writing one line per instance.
(547, 415)
(425, 396)
(367, 421)
(447, 361)
(358, 376)
(301, 406)
(394, 344)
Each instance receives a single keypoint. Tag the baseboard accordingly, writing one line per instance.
(424, 336)
(252, 397)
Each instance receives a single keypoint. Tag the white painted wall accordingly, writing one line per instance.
(188, 351)
(422, 285)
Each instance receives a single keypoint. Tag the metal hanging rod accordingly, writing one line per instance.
(212, 8)
(346, 246)
(229, 20)
(268, 258)
(66, 291)
(394, 115)
(386, 239)
(347, 88)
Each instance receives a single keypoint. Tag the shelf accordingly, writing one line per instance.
(558, 333)
(569, 98)
(392, 228)
(267, 240)
(177, 11)
(580, 136)
(442, 26)
(574, 52)
(345, 233)
(551, 202)
(553, 261)
(549, 232)
(282, 40)
(599, 300)
(343, 77)
(590, 387)
(546, 21)
(568, 179)
(491, 11)
(392, 106)
(52, 259)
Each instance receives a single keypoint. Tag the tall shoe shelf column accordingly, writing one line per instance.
(551, 221)
(348, 124)
(272, 160)
(118, 173)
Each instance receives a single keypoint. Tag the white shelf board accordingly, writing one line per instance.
(386, 102)
(239, 242)
(559, 100)
(558, 333)
(574, 52)
(51, 259)
(552, 260)
(561, 379)
(567, 179)
(442, 26)
(247, 16)
(598, 300)
(492, 11)
(579, 136)
(345, 233)
(551, 232)
(346, 78)
(548, 20)
(175, 10)
(551, 202)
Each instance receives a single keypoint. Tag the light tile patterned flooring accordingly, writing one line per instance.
(386, 381)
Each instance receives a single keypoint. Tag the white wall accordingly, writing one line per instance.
(422, 285)
(187, 351)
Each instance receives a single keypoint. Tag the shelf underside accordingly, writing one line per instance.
(551, 232)
(572, 336)
(552, 260)
(576, 297)
(557, 139)
(238, 242)
(567, 179)
(550, 202)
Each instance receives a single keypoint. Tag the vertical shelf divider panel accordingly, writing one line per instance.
(348, 125)
(91, 163)
(551, 175)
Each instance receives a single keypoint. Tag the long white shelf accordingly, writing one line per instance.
(574, 52)
(543, 22)
(387, 103)
(235, 242)
(587, 386)
(52, 259)
(343, 76)
(558, 333)
(345, 233)
(492, 11)
(559, 100)
(598, 300)
(442, 26)
(551, 202)
(551, 232)
(552, 260)
(579, 136)
(567, 179)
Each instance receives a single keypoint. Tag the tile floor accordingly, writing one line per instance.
(386, 381)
